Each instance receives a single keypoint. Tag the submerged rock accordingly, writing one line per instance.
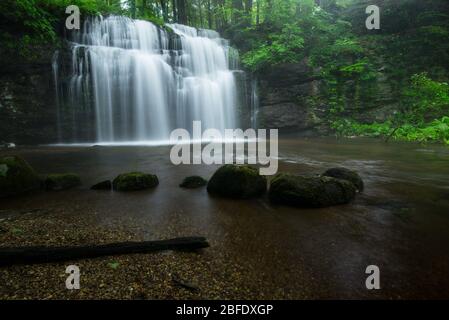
(345, 174)
(193, 182)
(315, 192)
(237, 181)
(103, 185)
(61, 181)
(17, 176)
(133, 181)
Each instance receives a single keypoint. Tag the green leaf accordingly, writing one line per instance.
(3, 170)
(16, 231)
(113, 265)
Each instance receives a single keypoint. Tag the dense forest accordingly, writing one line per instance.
(400, 71)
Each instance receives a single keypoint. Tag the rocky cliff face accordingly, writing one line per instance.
(27, 97)
(285, 95)
(293, 99)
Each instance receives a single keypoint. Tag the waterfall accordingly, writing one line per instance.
(54, 65)
(254, 103)
(132, 81)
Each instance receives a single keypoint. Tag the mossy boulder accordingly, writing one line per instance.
(237, 181)
(314, 192)
(61, 181)
(134, 181)
(103, 185)
(193, 182)
(17, 176)
(345, 174)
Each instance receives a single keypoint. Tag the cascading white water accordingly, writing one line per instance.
(135, 82)
(254, 103)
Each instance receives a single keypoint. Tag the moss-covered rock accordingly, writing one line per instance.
(133, 181)
(193, 182)
(61, 181)
(346, 174)
(103, 185)
(312, 192)
(16, 176)
(237, 181)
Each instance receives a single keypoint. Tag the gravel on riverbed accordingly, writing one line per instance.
(209, 274)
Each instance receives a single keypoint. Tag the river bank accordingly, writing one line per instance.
(258, 250)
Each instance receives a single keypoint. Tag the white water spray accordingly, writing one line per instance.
(132, 81)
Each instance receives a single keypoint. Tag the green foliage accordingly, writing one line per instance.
(18, 176)
(29, 24)
(37, 18)
(113, 265)
(23, 45)
(59, 6)
(348, 128)
(423, 118)
(153, 18)
(279, 48)
(435, 131)
(278, 39)
(28, 17)
(346, 46)
(16, 231)
(425, 98)
(358, 68)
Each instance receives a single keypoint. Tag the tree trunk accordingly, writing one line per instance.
(175, 13)
(220, 17)
(40, 254)
(248, 6)
(182, 13)
(257, 12)
(164, 7)
(133, 9)
(209, 14)
(237, 8)
(143, 8)
(200, 13)
(249, 12)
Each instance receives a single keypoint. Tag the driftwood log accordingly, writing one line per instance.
(39, 254)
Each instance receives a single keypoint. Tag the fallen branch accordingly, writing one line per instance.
(39, 254)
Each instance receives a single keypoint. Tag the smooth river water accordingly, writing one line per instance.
(400, 222)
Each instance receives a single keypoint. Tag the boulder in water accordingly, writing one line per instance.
(134, 181)
(61, 181)
(345, 174)
(237, 181)
(314, 192)
(193, 182)
(17, 176)
(103, 185)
